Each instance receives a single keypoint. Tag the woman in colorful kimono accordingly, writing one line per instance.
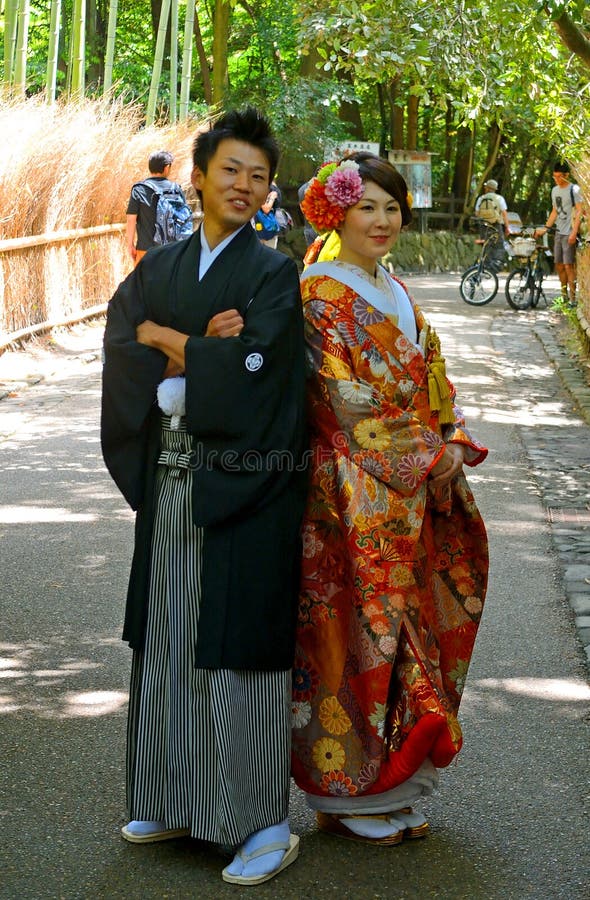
(395, 552)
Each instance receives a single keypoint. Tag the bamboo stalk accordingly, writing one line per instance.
(10, 29)
(187, 60)
(22, 41)
(53, 50)
(173, 60)
(78, 48)
(157, 70)
(110, 48)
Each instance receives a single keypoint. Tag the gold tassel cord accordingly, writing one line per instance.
(439, 394)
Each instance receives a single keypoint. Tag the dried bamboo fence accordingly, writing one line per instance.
(49, 279)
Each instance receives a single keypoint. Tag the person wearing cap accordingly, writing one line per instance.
(566, 213)
(491, 208)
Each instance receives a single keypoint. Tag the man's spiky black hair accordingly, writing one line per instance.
(247, 125)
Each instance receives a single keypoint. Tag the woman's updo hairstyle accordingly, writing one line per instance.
(373, 168)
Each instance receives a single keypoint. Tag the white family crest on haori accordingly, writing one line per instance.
(254, 362)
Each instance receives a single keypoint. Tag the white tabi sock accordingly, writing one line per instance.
(267, 863)
(408, 819)
(140, 828)
(373, 828)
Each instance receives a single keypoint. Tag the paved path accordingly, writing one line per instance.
(510, 819)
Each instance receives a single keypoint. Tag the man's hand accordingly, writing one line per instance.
(167, 340)
(147, 333)
(228, 323)
(448, 465)
(572, 238)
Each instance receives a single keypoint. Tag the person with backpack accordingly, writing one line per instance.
(265, 221)
(157, 212)
(491, 208)
(566, 213)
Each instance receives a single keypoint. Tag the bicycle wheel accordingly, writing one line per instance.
(479, 285)
(520, 289)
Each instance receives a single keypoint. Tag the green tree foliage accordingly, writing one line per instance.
(489, 86)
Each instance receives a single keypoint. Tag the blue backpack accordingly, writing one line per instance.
(174, 217)
(266, 225)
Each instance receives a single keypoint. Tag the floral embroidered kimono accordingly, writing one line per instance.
(394, 573)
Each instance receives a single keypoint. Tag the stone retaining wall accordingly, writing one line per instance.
(438, 251)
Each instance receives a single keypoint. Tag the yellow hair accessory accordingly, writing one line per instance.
(409, 200)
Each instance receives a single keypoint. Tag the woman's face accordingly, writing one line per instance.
(371, 228)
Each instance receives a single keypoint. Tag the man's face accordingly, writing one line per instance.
(234, 187)
(561, 179)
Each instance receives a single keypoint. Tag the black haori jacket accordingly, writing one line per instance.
(245, 412)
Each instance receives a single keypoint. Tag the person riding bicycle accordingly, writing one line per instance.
(491, 208)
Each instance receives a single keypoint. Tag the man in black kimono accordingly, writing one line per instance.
(203, 432)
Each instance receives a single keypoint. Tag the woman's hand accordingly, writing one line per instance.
(228, 323)
(448, 466)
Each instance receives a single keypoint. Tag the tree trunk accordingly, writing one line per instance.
(426, 123)
(445, 185)
(383, 115)
(573, 38)
(412, 122)
(396, 115)
(463, 168)
(203, 62)
(532, 196)
(349, 111)
(221, 22)
(95, 40)
(308, 66)
(495, 137)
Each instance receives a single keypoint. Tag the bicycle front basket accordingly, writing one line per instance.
(523, 246)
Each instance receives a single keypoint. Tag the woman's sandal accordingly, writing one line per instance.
(416, 824)
(291, 849)
(330, 823)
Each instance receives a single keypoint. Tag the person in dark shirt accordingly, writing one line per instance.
(141, 209)
(203, 431)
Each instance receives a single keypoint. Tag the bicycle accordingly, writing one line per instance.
(479, 282)
(524, 286)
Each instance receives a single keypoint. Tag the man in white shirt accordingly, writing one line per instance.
(491, 208)
(566, 213)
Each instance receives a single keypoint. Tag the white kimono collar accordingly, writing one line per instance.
(397, 304)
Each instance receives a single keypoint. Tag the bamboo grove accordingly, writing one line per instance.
(486, 85)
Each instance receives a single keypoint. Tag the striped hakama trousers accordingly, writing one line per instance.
(206, 749)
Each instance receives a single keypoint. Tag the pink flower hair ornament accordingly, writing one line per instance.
(331, 193)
